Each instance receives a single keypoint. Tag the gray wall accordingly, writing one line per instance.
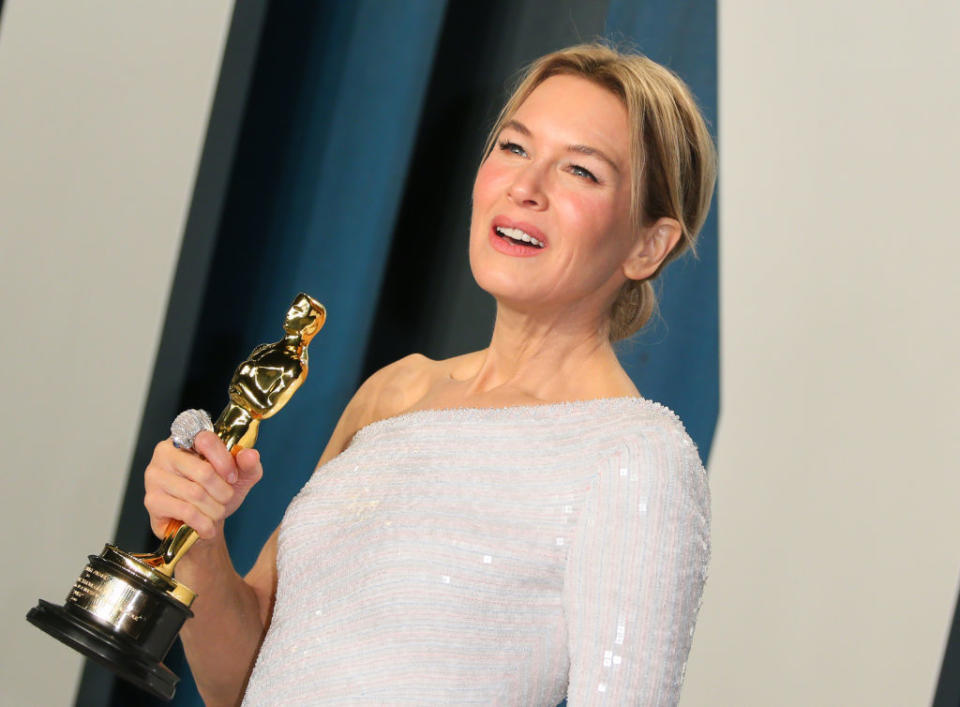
(103, 109)
(834, 473)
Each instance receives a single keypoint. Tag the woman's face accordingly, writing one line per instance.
(551, 225)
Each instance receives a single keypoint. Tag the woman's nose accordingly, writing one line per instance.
(527, 188)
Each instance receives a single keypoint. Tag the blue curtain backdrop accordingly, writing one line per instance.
(677, 359)
(359, 137)
(335, 193)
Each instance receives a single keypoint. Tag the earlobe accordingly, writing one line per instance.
(655, 243)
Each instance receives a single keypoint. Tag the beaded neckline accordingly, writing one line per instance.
(511, 411)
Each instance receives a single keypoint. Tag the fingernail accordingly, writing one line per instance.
(232, 477)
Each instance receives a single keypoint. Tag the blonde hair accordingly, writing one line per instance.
(672, 156)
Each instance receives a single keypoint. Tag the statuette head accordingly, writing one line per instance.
(305, 316)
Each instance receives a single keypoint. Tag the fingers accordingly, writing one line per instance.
(190, 492)
(198, 489)
(164, 508)
(214, 451)
(202, 474)
(186, 487)
(170, 496)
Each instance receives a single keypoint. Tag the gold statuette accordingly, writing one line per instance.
(126, 609)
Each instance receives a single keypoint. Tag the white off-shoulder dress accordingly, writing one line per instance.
(509, 556)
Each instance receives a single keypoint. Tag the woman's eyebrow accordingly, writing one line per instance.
(594, 152)
(518, 126)
(514, 124)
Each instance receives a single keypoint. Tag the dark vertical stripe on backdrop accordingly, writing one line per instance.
(676, 359)
(948, 686)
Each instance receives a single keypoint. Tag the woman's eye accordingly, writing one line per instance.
(513, 147)
(581, 172)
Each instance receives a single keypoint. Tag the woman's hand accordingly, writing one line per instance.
(202, 490)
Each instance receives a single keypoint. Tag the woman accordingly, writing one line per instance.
(513, 525)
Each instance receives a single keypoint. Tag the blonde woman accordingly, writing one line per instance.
(515, 525)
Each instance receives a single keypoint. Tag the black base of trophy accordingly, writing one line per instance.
(117, 615)
(113, 653)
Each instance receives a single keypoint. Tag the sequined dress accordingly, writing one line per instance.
(493, 556)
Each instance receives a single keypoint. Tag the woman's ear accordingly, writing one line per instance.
(655, 243)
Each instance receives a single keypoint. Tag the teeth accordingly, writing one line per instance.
(518, 235)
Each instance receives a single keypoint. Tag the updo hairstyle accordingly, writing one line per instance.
(672, 156)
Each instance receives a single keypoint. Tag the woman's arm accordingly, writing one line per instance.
(232, 613)
(636, 571)
(202, 491)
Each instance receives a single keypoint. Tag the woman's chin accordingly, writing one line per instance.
(529, 304)
(506, 289)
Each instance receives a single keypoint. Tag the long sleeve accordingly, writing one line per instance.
(636, 570)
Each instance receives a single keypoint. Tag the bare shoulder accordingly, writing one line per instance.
(394, 389)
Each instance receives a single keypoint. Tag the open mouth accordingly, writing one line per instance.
(518, 237)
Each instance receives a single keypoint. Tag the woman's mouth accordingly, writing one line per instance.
(515, 242)
(517, 236)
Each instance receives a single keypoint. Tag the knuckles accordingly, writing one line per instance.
(197, 493)
(202, 524)
(205, 473)
(149, 503)
(208, 444)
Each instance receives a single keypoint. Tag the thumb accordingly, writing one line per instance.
(248, 464)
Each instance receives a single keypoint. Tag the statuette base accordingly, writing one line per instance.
(124, 615)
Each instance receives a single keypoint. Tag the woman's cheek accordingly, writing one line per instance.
(587, 215)
(491, 180)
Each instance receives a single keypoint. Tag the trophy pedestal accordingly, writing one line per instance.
(155, 677)
(124, 615)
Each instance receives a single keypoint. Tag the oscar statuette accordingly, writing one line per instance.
(126, 609)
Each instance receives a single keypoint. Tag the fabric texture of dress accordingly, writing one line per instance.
(493, 556)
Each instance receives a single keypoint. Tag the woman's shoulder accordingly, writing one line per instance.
(660, 428)
(399, 386)
(650, 470)
(655, 443)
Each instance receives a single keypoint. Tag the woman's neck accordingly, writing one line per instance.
(549, 359)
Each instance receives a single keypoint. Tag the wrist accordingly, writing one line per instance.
(206, 557)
